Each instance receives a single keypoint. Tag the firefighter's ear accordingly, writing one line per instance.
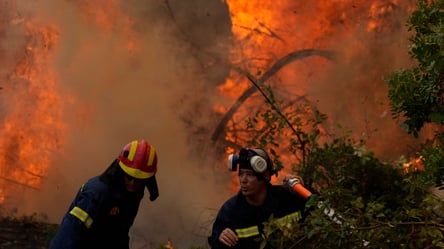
(267, 176)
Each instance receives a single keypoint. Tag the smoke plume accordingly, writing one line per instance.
(123, 70)
(82, 78)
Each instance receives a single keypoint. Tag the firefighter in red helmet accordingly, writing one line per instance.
(105, 207)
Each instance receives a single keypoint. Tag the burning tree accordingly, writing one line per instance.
(31, 125)
(417, 94)
(364, 202)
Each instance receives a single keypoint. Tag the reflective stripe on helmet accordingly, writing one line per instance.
(132, 151)
(82, 216)
(151, 156)
(136, 173)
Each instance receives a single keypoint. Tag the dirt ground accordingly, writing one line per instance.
(25, 233)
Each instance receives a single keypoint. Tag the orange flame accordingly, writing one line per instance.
(32, 127)
(108, 16)
(31, 137)
(265, 31)
(413, 165)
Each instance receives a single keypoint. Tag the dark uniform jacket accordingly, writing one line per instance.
(247, 221)
(100, 216)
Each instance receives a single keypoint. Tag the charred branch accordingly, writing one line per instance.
(258, 83)
(260, 32)
(18, 183)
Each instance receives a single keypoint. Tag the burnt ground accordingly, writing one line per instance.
(27, 232)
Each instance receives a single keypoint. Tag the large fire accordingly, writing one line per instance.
(265, 33)
(32, 125)
(330, 51)
(288, 44)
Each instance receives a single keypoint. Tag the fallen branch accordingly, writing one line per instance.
(257, 83)
(18, 183)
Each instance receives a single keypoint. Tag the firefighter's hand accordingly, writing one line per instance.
(228, 237)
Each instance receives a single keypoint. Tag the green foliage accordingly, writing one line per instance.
(168, 247)
(364, 202)
(373, 202)
(295, 126)
(281, 236)
(417, 94)
(433, 165)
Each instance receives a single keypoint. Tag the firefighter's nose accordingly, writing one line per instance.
(243, 177)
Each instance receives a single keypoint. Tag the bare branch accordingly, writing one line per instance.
(18, 183)
(257, 83)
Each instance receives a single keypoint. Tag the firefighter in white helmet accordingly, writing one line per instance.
(239, 222)
(105, 207)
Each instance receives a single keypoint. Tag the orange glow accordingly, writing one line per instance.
(109, 17)
(413, 165)
(32, 127)
(266, 31)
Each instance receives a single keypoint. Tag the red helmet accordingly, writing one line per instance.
(138, 159)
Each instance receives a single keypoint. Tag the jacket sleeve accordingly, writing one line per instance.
(218, 226)
(77, 220)
(213, 239)
(68, 235)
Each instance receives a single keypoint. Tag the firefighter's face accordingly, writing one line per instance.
(132, 184)
(249, 182)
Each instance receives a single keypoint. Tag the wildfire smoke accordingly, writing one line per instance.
(81, 78)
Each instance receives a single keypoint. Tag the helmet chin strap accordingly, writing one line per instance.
(151, 185)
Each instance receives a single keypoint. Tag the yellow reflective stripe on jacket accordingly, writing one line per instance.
(81, 188)
(247, 232)
(82, 216)
(254, 230)
(287, 219)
